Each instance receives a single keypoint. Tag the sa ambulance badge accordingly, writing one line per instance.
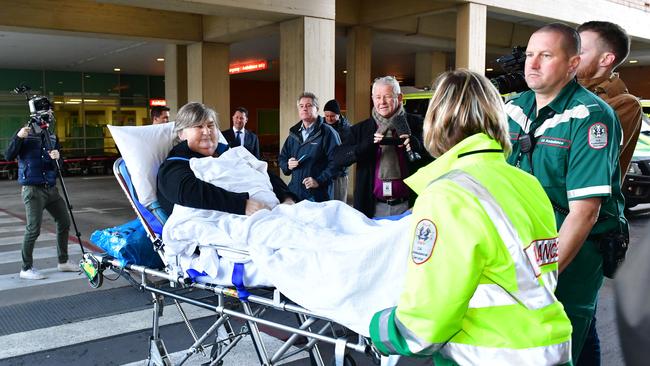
(598, 136)
(426, 234)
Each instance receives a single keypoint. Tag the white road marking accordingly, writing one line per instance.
(15, 256)
(18, 239)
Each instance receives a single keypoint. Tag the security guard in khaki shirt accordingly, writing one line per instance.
(569, 139)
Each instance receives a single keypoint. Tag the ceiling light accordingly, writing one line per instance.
(117, 69)
(489, 69)
(345, 71)
(634, 61)
(74, 100)
(160, 59)
(91, 100)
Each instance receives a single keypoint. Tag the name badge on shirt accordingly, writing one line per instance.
(388, 189)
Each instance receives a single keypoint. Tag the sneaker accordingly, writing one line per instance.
(31, 274)
(67, 267)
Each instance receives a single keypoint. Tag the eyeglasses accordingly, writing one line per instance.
(384, 98)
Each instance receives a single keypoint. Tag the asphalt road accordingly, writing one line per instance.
(65, 322)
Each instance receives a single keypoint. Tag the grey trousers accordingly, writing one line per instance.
(340, 189)
(37, 199)
(383, 209)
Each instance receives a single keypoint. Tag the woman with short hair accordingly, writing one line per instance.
(197, 129)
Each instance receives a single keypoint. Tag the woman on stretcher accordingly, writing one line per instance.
(196, 126)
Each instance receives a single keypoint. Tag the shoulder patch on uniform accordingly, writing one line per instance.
(426, 235)
(597, 136)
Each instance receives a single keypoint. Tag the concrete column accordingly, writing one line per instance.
(306, 64)
(428, 65)
(357, 81)
(471, 23)
(208, 80)
(175, 77)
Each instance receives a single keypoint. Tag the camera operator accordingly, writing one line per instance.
(569, 140)
(387, 148)
(37, 175)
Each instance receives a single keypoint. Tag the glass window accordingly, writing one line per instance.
(101, 84)
(157, 87)
(9, 79)
(69, 126)
(134, 86)
(63, 83)
(14, 114)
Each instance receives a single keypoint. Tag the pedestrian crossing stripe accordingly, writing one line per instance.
(15, 256)
(18, 239)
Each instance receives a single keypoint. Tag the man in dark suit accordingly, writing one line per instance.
(238, 136)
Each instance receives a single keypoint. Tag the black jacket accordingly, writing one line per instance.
(342, 127)
(363, 151)
(178, 184)
(317, 153)
(251, 142)
(35, 167)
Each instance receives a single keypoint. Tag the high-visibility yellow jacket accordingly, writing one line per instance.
(483, 266)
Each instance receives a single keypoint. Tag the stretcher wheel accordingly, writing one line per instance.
(347, 361)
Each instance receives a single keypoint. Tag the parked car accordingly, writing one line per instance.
(636, 187)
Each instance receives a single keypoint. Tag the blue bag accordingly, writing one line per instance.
(129, 244)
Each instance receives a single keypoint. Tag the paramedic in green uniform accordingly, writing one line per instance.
(569, 139)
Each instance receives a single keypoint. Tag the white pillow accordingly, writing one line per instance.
(143, 149)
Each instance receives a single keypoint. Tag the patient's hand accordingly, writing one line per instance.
(253, 206)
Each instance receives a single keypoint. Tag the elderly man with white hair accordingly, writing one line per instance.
(387, 148)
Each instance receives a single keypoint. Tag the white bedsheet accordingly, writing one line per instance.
(327, 257)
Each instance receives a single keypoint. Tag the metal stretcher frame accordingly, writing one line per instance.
(229, 305)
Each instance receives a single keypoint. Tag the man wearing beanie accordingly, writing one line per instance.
(340, 124)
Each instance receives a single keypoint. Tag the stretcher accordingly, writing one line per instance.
(230, 304)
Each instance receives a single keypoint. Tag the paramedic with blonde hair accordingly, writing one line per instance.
(483, 262)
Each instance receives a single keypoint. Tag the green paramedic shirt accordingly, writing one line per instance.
(575, 156)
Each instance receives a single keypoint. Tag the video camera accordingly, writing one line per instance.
(514, 80)
(40, 109)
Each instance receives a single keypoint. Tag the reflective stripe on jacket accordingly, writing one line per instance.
(480, 288)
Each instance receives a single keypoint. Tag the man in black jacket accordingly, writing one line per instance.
(387, 148)
(37, 175)
(239, 136)
(334, 118)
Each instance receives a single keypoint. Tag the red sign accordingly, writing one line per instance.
(157, 102)
(248, 67)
